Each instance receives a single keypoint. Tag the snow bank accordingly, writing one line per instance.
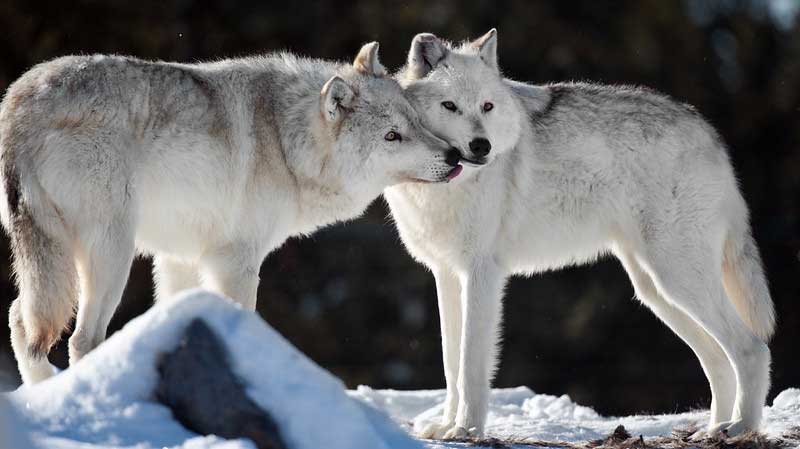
(106, 400)
(12, 431)
(784, 413)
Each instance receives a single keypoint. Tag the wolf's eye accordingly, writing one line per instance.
(391, 136)
(487, 107)
(449, 105)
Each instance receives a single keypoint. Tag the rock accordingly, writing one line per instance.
(205, 395)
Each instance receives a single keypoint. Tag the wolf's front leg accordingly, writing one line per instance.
(481, 298)
(233, 272)
(448, 293)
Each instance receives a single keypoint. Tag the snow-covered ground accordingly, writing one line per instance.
(107, 399)
(518, 414)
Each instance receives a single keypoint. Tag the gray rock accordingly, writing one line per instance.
(204, 394)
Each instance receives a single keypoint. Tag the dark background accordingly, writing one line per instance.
(350, 296)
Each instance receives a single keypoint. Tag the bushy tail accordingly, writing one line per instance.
(45, 274)
(746, 285)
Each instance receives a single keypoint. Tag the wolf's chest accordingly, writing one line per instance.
(439, 224)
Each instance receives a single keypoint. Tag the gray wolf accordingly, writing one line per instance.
(207, 167)
(562, 174)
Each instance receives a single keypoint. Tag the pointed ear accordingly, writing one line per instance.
(426, 52)
(335, 97)
(367, 63)
(487, 47)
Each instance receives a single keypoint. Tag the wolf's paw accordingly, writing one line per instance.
(698, 436)
(727, 429)
(735, 428)
(460, 433)
(435, 431)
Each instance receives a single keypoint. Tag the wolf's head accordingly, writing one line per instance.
(461, 95)
(367, 112)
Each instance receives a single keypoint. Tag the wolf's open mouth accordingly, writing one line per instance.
(455, 172)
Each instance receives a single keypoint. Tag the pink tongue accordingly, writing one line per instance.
(455, 172)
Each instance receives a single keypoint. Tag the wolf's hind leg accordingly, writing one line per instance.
(715, 364)
(173, 275)
(233, 272)
(689, 277)
(33, 366)
(104, 267)
(47, 281)
(448, 293)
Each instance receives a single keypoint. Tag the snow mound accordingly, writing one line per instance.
(11, 435)
(784, 413)
(107, 399)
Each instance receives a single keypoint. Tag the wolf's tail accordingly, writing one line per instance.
(746, 285)
(43, 264)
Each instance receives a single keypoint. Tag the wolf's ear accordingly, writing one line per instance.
(335, 97)
(426, 51)
(367, 63)
(487, 47)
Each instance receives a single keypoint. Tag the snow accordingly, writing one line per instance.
(106, 400)
(10, 434)
(519, 414)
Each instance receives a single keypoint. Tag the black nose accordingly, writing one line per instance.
(452, 157)
(480, 147)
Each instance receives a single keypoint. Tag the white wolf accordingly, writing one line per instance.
(557, 175)
(207, 167)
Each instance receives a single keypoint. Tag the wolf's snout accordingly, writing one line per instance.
(480, 147)
(452, 157)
